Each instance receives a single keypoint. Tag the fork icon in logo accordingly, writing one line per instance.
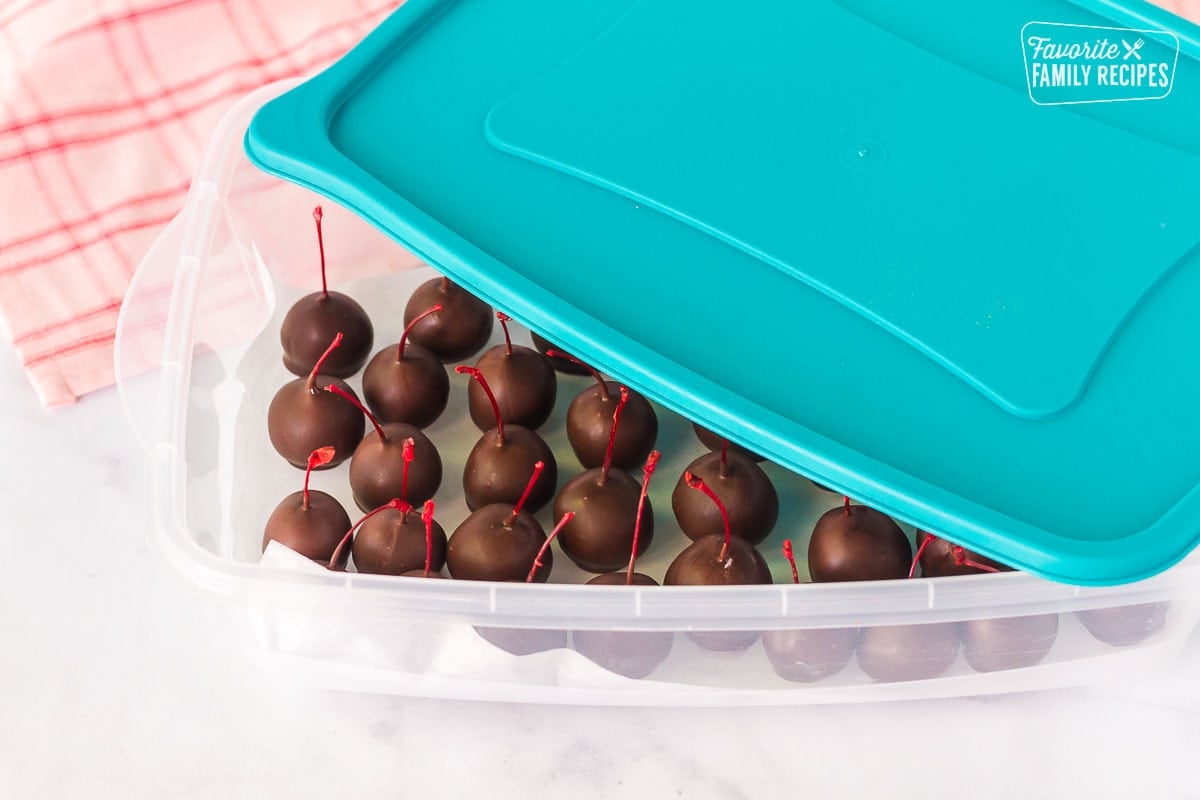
(1132, 49)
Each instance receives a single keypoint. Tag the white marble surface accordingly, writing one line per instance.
(119, 680)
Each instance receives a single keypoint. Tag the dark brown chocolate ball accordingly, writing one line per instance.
(301, 420)
(493, 545)
(377, 467)
(745, 490)
(310, 326)
(634, 654)
(809, 655)
(893, 653)
(499, 473)
(938, 559)
(700, 565)
(1125, 625)
(524, 641)
(714, 442)
(413, 389)
(600, 536)
(564, 365)
(523, 383)
(589, 425)
(1002, 643)
(313, 532)
(393, 542)
(459, 330)
(857, 543)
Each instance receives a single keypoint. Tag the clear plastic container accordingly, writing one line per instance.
(197, 362)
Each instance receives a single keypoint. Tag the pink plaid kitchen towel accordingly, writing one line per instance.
(105, 107)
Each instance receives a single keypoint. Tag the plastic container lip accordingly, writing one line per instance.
(520, 605)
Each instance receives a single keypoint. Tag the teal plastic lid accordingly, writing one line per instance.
(896, 247)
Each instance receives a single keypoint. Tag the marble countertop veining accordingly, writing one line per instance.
(118, 680)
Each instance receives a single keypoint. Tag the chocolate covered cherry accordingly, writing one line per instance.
(522, 382)
(589, 424)
(315, 318)
(459, 330)
(498, 465)
(745, 490)
(408, 383)
(309, 522)
(498, 542)
(856, 543)
(303, 418)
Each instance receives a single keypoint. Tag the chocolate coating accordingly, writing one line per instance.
(908, 652)
(589, 425)
(313, 532)
(634, 654)
(524, 641)
(748, 494)
(459, 330)
(600, 536)
(714, 442)
(486, 547)
(300, 421)
(807, 656)
(1125, 625)
(938, 559)
(377, 468)
(864, 545)
(524, 385)
(310, 326)
(393, 543)
(420, 573)
(697, 565)
(563, 365)
(496, 473)
(412, 390)
(991, 645)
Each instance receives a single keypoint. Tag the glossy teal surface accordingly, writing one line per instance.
(840, 233)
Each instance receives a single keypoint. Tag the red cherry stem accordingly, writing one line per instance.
(504, 320)
(929, 538)
(846, 504)
(408, 328)
(962, 560)
(537, 560)
(697, 482)
(724, 458)
(317, 215)
(612, 436)
(395, 503)
(427, 518)
(790, 555)
(317, 458)
(463, 369)
(407, 453)
(647, 473)
(552, 353)
(537, 473)
(333, 387)
(311, 383)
